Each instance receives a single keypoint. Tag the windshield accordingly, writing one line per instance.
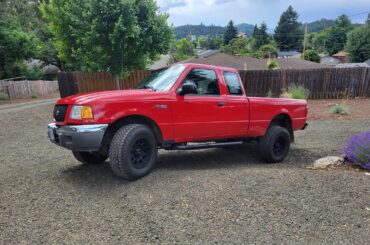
(162, 80)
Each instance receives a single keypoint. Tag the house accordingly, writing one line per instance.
(352, 65)
(50, 71)
(192, 38)
(330, 60)
(342, 56)
(241, 34)
(205, 53)
(289, 54)
(250, 63)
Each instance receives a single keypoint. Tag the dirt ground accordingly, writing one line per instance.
(202, 197)
(357, 109)
(55, 95)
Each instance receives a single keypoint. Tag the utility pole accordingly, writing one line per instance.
(305, 39)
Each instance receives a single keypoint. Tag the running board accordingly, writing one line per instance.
(194, 146)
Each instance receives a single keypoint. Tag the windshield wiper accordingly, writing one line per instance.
(149, 87)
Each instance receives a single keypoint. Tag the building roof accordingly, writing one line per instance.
(351, 65)
(340, 54)
(249, 63)
(162, 62)
(205, 53)
(288, 53)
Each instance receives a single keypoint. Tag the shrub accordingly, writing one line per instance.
(311, 55)
(34, 96)
(298, 91)
(357, 150)
(338, 109)
(269, 94)
(3, 96)
(34, 73)
(272, 64)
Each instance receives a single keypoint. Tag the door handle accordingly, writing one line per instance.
(221, 104)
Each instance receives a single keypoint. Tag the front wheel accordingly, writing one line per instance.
(133, 151)
(275, 144)
(89, 157)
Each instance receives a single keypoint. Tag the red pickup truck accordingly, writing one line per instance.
(183, 107)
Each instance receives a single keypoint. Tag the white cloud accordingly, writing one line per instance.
(252, 11)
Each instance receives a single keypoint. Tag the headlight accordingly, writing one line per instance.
(81, 112)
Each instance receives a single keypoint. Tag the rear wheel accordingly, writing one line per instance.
(89, 157)
(275, 145)
(133, 151)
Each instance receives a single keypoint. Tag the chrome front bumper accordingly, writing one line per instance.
(77, 137)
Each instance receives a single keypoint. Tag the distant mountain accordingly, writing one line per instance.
(318, 25)
(212, 30)
(246, 28)
(198, 30)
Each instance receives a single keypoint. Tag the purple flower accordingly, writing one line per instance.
(357, 149)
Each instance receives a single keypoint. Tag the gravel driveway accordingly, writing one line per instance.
(204, 196)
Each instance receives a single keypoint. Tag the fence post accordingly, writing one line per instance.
(8, 91)
(116, 81)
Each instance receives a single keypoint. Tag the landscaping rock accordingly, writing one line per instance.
(326, 162)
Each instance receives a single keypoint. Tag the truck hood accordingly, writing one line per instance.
(111, 96)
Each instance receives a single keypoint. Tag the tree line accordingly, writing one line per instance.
(323, 36)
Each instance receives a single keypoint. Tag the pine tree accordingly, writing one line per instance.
(230, 33)
(255, 32)
(338, 34)
(262, 37)
(288, 36)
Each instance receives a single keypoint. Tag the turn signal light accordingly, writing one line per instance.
(87, 112)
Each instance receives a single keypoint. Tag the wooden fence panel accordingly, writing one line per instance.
(134, 79)
(19, 89)
(323, 83)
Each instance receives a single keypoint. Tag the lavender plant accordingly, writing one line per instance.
(357, 149)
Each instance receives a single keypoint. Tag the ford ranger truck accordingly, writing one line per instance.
(182, 107)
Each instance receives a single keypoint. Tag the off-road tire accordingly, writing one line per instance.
(89, 157)
(124, 153)
(274, 145)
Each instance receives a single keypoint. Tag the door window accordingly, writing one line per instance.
(233, 83)
(205, 81)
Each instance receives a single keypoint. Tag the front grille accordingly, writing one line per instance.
(60, 112)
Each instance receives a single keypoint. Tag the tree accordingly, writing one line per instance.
(238, 46)
(262, 37)
(29, 17)
(358, 44)
(15, 47)
(255, 32)
(337, 37)
(230, 33)
(184, 50)
(265, 51)
(116, 36)
(288, 36)
(311, 55)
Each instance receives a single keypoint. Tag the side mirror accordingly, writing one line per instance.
(187, 88)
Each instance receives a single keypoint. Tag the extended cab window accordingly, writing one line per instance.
(205, 81)
(233, 83)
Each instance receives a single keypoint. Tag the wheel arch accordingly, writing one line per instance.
(285, 121)
(130, 119)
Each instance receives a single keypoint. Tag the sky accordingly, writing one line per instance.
(220, 12)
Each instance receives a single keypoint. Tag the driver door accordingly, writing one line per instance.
(199, 116)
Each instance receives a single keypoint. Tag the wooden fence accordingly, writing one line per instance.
(323, 83)
(19, 89)
(83, 82)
